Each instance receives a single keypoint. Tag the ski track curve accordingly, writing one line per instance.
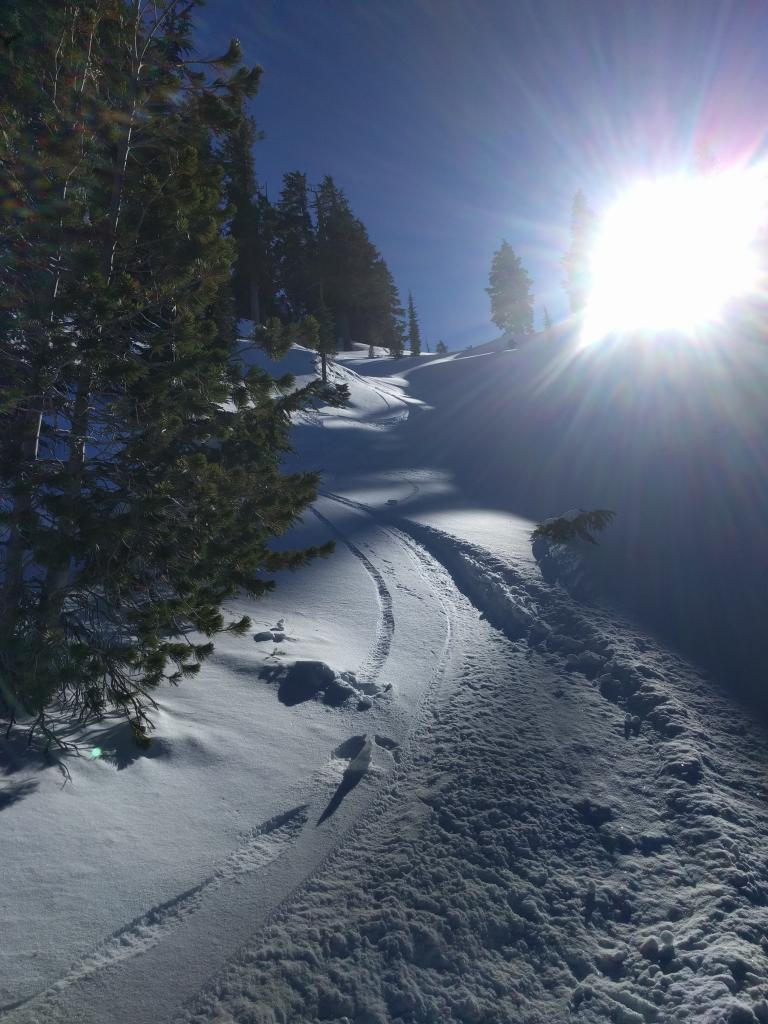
(259, 847)
(385, 630)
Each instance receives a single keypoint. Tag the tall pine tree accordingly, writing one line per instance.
(251, 225)
(510, 293)
(414, 331)
(296, 249)
(140, 482)
(386, 315)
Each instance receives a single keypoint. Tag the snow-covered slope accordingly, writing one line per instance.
(433, 787)
(672, 436)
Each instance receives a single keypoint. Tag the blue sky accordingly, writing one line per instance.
(452, 124)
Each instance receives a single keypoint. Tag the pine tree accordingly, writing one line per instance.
(414, 332)
(139, 459)
(296, 249)
(441, 348)
(546, 319)
(357, 286)
(510, 293)
(323, 339)
(346, 256)
(386, 315)
(251, 225)
(576, 260)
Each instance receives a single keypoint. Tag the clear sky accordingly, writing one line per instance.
(452, 124)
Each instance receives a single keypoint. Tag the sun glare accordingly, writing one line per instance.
(672, 252)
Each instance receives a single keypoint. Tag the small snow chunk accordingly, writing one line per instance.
(649, 948)
(741, 1014)
(337, 692)
(651, 842)
(529, 909)
(305, 680)
(685, 763)
(611, 961)
(593, 813)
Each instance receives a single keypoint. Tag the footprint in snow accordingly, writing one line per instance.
(386, 742)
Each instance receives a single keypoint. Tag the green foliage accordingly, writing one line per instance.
(510, 293)
(296, 250)
(251, 225)
(356, 286)
(567, 530)
(140, 481)
(414, 331)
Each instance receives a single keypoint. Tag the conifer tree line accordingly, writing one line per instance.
(308, 257)
(140, 481)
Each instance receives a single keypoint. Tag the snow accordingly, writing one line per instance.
(434, 785)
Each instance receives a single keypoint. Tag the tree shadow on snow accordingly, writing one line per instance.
(17, 756)
(15, 791)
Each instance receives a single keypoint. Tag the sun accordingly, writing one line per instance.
(672, 252)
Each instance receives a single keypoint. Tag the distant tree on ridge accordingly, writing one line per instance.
(510, 292)
(414, 331)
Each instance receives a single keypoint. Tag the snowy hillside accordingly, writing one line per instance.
(431, 786)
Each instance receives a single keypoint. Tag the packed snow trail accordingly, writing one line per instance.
(533, 864)
(528, 862)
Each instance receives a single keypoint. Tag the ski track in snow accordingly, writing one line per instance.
(531, 863)
(260, 846)
(386, 625)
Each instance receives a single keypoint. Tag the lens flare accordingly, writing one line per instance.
(672, 252)
(95, 753)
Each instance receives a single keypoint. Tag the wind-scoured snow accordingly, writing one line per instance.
(435, 785)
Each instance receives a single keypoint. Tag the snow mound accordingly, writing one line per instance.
(302, 681)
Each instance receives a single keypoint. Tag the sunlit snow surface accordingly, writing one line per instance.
(419, 763)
